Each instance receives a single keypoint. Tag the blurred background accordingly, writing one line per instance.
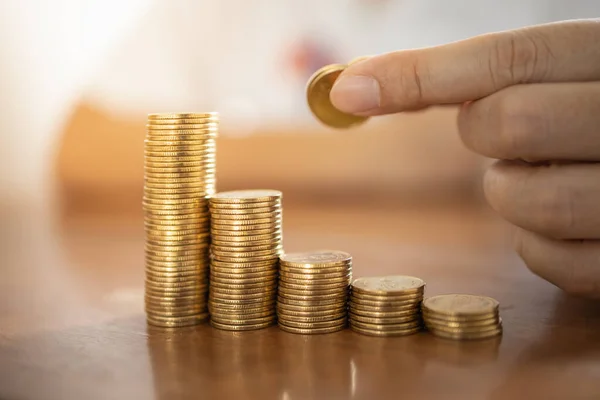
(78, 77)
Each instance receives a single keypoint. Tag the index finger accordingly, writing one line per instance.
(470, 69)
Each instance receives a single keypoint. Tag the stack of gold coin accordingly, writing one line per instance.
(246, 243)
(313, 291)
(386, 305)
(462, 316)
(179, 169)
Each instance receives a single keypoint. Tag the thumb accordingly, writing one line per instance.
(470, 69)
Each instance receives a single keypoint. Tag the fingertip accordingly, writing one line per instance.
(356, 94)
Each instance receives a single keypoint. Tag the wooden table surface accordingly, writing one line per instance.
(72, 323)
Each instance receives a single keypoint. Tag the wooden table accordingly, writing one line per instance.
(72, 323)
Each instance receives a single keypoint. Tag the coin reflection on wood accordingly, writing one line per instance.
(386, 305)
(462, 316)
(179, 174)
(246, 244)
(313, 291)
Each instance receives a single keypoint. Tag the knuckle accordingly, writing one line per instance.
(405, 86)
(517, 57)
(555, 212)
(520, 126)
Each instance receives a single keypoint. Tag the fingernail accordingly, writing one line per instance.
(355, 93)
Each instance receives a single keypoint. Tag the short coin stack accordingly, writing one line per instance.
(313, 291)
(246, 235)
(386, 305)
(462, 316)
(179, 172)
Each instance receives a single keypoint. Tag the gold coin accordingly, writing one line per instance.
(220, 295)
(312, 302)
(240, 268)
(244, 206)
(248, 214)
(460, 305)
(467, 336)
(312, 331)
(387, 304)
(471, 329)
(173, 194)
(181, 121)
(316, 286)
(238, 223)
(177, 321)
(243, 320)
(151, 146)
(340, 270)
(240, 314)
(302, 311)
(248, 239)
(384, 320)
(242, 327)
(197, 190)
(221, 300)
(359, 307)
(264, 247)
(316, 259)
(290, 320)
(175, 165)
(260, 303)
(175, 264)
(317, 94)
(198, 125)
(168, 295)
(230, 275)
(172, 234)
(187, 115)
(310, 292)
(246, 280)
(338, 295)
(199, 250)
(169, 215)
(388, 285)
(367, 297)
(151, 227)
(254, 232)
(175, 243)
(173, 311)
(195, 185)
(208, 149)
(385, 327)
(246, 257)
(399, 332)
(257, 287)
(256, 309)
(242, 229)
(322, 279)
(192, 271)
(247, 196)
(248, 244)
(493, 320)
(413, 312)
(198, 223)
(184, 134)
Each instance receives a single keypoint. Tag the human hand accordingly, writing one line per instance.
(530, 98)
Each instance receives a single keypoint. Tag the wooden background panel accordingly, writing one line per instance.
(100, 162)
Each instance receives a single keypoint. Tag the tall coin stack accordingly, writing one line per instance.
(179, 169)
(313, 291)
(462, 316)
(246, 236)
(386, 305)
